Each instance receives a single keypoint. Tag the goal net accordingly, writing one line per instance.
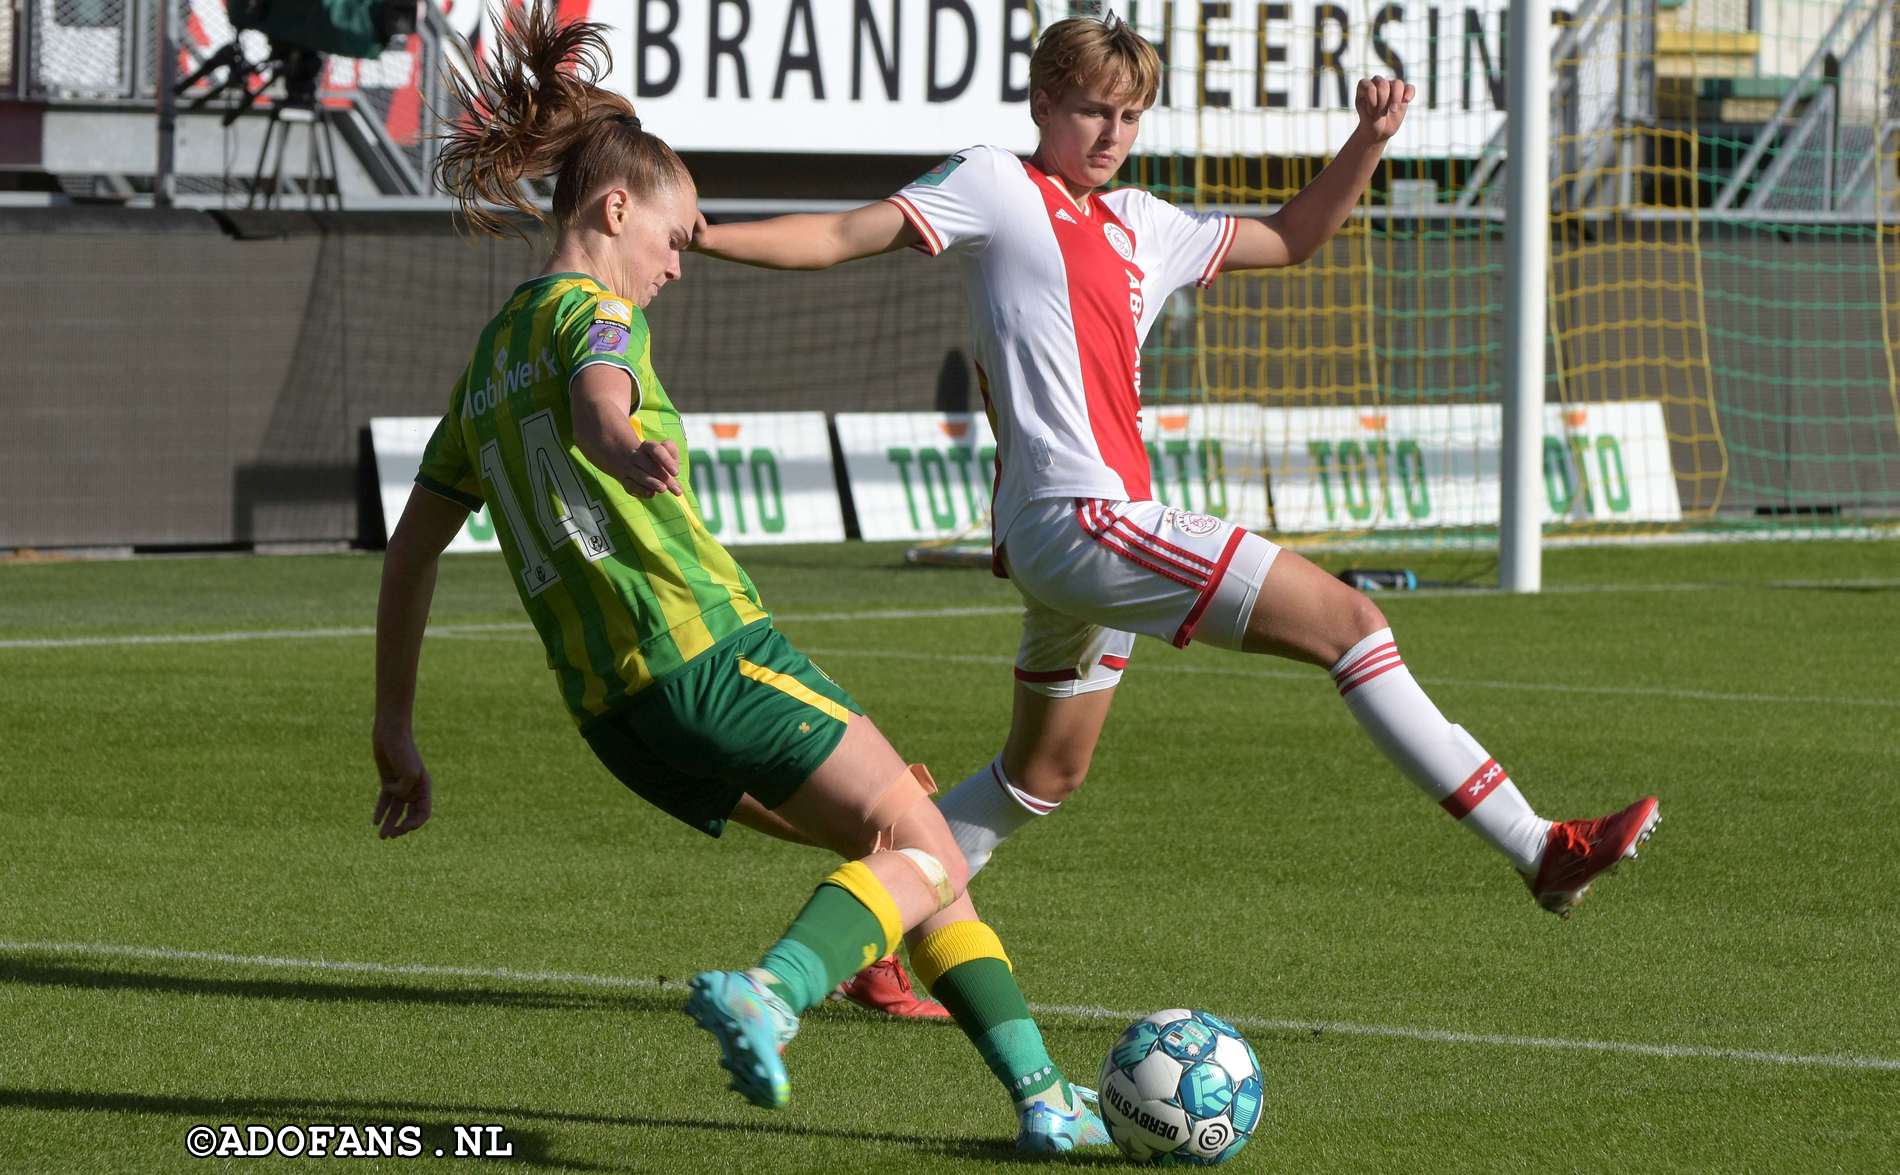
(1721, 297)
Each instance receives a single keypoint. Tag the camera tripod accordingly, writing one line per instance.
(299, 68)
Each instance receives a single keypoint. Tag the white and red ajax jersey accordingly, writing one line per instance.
(1061, 296)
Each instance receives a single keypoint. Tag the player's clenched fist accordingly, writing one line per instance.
(1381, 103)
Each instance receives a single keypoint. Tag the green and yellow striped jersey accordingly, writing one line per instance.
(623, 590)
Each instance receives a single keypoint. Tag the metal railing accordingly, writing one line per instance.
(1586, 27)
(9, 52)
(105, 53)
(1789, 135)
(79, 48)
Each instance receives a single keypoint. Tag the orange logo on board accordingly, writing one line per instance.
(956, 429)
(1374, 422)
(1172, 423)
(725, 432)
(1577, 419)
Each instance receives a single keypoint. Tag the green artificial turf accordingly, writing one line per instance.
(189, 870)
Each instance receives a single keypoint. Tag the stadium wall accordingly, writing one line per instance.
(189, 379)
(206, 379)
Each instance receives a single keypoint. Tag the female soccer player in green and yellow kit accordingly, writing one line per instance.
(659, 643)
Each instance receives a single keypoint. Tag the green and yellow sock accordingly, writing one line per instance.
(963, 965)
(849, 923)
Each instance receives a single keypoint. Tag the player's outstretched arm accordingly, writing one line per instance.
(1309, 219)
(402, 613)
(808, 240)
(601, 397)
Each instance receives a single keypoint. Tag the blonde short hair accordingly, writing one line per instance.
(1084, 53)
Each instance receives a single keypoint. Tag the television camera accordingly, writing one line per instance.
(301, 36)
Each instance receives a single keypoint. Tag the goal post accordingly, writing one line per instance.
(1526, 262)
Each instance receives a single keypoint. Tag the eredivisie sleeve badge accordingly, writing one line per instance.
(941, 172)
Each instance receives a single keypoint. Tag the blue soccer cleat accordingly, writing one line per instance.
(1046, 1129)
(753, 1026)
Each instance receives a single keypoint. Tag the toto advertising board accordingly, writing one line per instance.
(760, 477)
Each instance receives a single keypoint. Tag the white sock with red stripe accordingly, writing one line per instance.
(1440, 758)
(985, 809)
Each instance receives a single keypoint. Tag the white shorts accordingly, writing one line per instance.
(1093, 574)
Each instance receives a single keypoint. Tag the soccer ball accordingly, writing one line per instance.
(1181, 1087)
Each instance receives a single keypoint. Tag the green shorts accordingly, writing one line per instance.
(751, 715)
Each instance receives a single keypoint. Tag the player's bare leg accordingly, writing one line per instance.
(1304, 614)
(842, 799)
(760, 818)
(903, 867)
(884, 986)
(1046, 757)
(754, 1014)
(1052, 741)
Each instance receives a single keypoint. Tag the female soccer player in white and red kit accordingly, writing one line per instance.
(1064, 281)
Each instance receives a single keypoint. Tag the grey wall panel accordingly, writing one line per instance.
(146, 364)
(188, 379)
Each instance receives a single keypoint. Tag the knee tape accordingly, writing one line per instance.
(904, 793)
(901, 795)
(934, 874)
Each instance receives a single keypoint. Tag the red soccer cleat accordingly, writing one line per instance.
(884, 987)
(1579, 851)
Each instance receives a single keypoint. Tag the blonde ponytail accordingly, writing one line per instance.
(535, 110)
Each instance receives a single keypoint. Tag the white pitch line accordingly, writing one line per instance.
(899, 614)
(436, 970)
(507, 626)
(1629, 691)
(219, 638)
(287, 634)
(1584, 589)
(1509, 1040)
(524, 631)
(177, 638)
(1612, 691)
(1078, 1011)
